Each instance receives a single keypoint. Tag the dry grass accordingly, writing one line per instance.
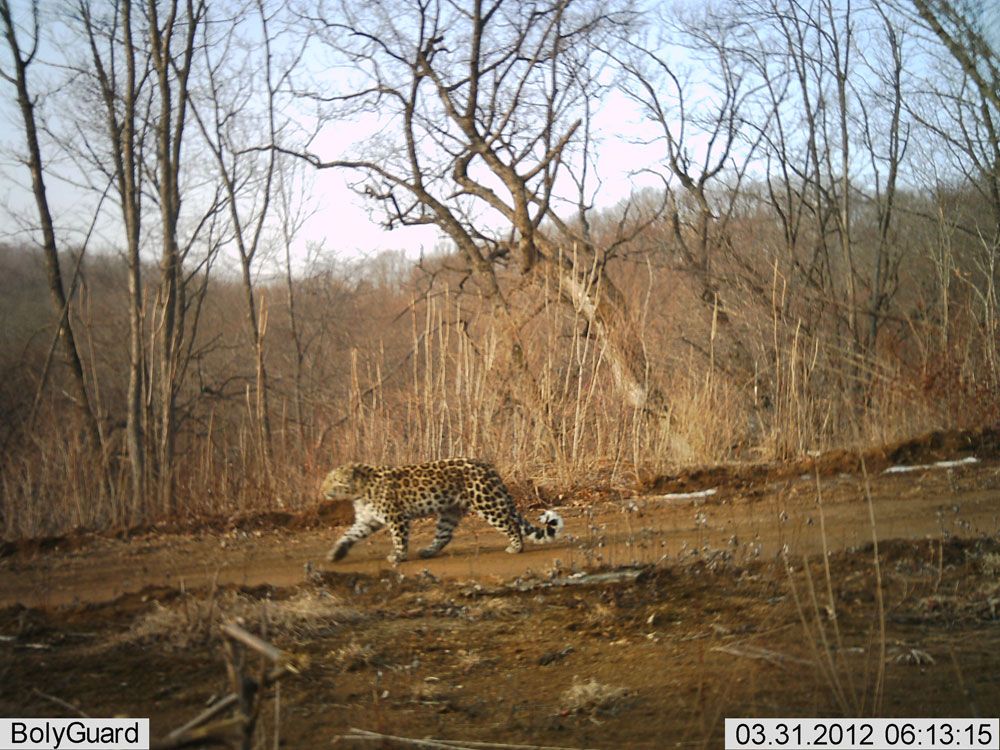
(429, 691)
(989, 563)
(981, 603)
(354, 656)
(193, 620)
(468, 660)
(593, 698)
(396, 377)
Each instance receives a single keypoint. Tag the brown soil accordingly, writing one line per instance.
(695, 615)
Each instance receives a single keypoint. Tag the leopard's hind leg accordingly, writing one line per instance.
(446, 523)
(504, 519)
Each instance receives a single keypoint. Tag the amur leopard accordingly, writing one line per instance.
(393, 496)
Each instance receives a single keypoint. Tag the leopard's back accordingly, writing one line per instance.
(427, 489)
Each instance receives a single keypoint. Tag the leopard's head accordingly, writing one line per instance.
(346, 482)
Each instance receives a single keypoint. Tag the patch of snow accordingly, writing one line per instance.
(935, 465)
(687, 495)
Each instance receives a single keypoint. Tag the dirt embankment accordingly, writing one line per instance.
(750, 479)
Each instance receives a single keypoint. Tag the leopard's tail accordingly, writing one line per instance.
(551, 524)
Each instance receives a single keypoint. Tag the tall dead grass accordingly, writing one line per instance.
(401, 371)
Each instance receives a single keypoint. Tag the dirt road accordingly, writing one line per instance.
(746, 521)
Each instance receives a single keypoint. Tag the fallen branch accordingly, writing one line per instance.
(244, 699)
(621, 575)
(220, 732)
(209, 713)
(764, 654)
(186, 734)
(60, 702)
(16, 642)
(260, 646)
(368, 736)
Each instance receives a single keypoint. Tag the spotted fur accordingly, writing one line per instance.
(393, 496)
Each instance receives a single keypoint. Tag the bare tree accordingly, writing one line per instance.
(959, 109)
(121, 100)
(886, 163)
(955, 25)
(20, 63)
(172, 33)
(484, 111)
(292, 214)
(704, 143)
(141, 63)
(246, 177)
(965, 116)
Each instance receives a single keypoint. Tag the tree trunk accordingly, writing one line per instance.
(60, 303)
(604, 308)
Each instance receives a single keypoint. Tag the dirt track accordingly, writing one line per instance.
(749, 521)
(487, 647)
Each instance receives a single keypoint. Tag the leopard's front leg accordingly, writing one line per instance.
(364, 525)
(399, 530)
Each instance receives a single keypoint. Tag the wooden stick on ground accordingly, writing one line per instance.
(249, 640)
(219, 732)
(194, 731)
(366, 735)
(60, 702)
(289, 661)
